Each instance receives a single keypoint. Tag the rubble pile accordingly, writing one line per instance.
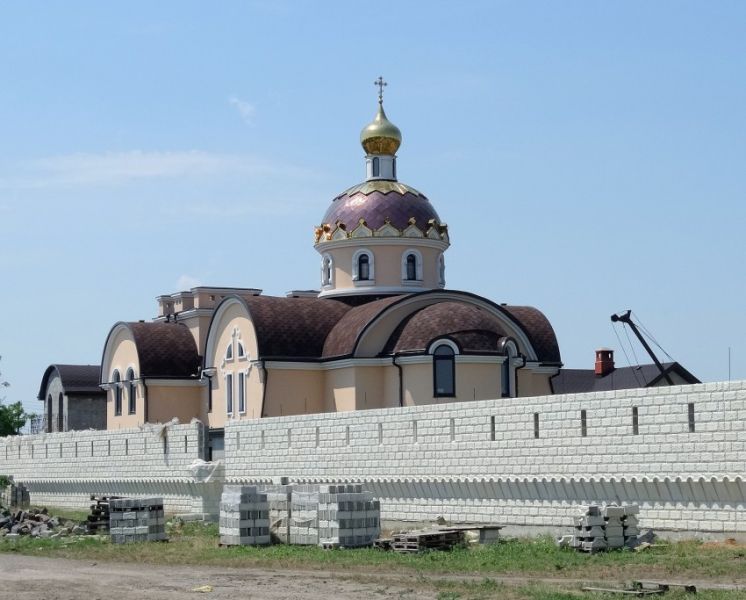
(36, 522)
(244, 517)
(604, 528)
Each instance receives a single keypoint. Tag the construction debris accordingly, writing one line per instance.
(420, 541)
(640, 589)
(36, 522)
(136, 520)
(603, 528)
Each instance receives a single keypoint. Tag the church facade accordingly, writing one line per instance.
(383, 330)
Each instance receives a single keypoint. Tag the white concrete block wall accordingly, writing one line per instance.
(429, 469)
(63, 469)
(441, 460)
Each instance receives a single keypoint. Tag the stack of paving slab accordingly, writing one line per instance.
(244, 516)
(136, 520)
(348, 516)
(605, 527)
(304, 515)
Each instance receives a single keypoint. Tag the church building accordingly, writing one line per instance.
(383, 330)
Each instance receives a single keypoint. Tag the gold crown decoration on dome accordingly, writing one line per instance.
(381, 136)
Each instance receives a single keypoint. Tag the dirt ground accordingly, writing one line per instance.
(32, 578)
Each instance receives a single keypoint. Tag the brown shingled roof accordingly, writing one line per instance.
(341, 339)
(76, 379)
(165, 349)
(471, 327)
(293, 327)
(539, 331)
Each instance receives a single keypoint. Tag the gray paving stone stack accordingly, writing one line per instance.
(349, 517)
(136, 520)
(589, 530)
(613, 529)
(604, 527)
(244, 516)
(629, 524)
(304, 515)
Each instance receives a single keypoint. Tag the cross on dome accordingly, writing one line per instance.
(381, 84)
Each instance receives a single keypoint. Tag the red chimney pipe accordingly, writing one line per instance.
(604, 361)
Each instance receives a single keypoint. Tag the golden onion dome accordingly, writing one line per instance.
(381, 136)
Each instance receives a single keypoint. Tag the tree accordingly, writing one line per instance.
(12, 416)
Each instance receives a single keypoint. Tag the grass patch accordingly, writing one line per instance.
(197, 543)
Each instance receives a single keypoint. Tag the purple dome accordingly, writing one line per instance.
(377, 201)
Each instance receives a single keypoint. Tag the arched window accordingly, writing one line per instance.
(507, 371)
(363, 267)
(241, 350)
(116, 379)
(61, 411)
(229, 351)
(49, 413)
(229, 393)
(411, 267)
(131, 392)
(242, 392)
(326, 270)
(376, 167)
(444, 371)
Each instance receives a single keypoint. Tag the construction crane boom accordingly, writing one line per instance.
(626, 318)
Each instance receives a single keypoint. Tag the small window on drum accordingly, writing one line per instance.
(327, 272)
(444, 372)
(376, 167)
(363, 267)
(411, 267)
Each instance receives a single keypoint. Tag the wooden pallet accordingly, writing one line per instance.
(420, 541)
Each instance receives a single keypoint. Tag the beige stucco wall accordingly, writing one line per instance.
(473, 382)
(293, 392)
(339, 390)
(387, 263)
(533, 384)
(198, 326)
(168, 401)
(369, 387)
(123, 357)
(234, 318)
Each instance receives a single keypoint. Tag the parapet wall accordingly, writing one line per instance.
(526, 461)
(63, 469)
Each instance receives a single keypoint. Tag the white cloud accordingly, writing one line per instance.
(245, 109)
(187, 282)
(119, 167)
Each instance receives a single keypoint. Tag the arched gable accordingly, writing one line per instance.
(151, 350)
(120, 352)
(231, 320)
(374, 334)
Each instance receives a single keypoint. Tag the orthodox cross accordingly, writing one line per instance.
(381, 84)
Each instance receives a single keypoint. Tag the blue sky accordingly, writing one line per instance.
(587, 156)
